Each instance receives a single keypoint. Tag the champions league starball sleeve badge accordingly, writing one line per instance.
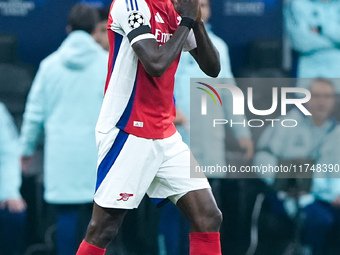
(135, 20)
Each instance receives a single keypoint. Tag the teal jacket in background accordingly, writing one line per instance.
(319, 54)
(10, 171)
(65, 101)
(303, 141)
(328, 189)
(212, 151)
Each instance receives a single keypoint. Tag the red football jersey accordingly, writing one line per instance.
(134, 101)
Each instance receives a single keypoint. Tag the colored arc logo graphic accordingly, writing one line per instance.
(209, 93)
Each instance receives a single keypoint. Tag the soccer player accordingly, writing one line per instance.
(140, 150)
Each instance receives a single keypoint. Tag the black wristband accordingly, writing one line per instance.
(187, 22)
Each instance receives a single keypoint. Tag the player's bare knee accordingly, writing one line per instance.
(208, 221)
(218, 218)
(215, 219)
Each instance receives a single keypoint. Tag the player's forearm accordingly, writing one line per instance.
(157, 59)
(205, 54)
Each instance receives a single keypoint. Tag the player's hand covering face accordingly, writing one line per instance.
(188, 8)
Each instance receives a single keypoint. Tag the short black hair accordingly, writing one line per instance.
(103, 14)
(83, 17)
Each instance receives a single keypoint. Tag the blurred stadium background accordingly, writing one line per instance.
(32, 29)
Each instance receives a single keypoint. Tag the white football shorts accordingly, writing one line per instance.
(131, 166)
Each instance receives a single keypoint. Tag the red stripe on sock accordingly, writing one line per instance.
(205, 243)
(89, 249)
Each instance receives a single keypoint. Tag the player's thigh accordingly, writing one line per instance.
(107, 215)
(173, 178)
(175, 181)
(126, 170)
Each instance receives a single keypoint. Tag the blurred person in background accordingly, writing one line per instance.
(205, 155)
(313, 28)
(100, 32)
(12, 206)
(64, 102)
(187, 69)
(311, 142)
